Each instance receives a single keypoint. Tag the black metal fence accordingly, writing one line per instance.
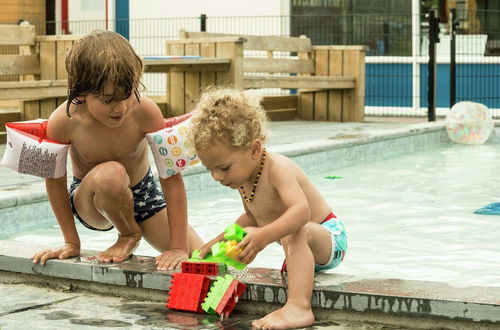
(397, 56)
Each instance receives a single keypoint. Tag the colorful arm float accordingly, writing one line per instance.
(171, 147)
(28, 151)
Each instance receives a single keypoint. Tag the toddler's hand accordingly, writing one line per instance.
(254, 242)
(68, 250)
(170, 259)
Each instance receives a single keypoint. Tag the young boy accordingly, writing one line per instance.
(281, 205)
(105, 121)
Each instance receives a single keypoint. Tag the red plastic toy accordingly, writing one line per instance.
(203, 268)
(187, 291)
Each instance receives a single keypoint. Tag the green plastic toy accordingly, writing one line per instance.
(225, 252)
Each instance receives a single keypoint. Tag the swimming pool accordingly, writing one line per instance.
(408, 216)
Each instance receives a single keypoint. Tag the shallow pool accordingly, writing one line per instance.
(408, 217)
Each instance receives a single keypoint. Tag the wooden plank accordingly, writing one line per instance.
(271, 43)
(47, 107)
(59, 37)
(34, 89)
(321, 98)
(273, 102)
(323, 82)
(340, 47)
(306, 106)
(192, 80)
(29, 50)
(13, 34)
(335, 105)
(62, 48)
(234, 51)
(353, 100)
(31, 110)
(278, 65)
(335, 68)
(48, 60)
(19, 64)
(205, 40)
(207, 49)
(282, 114)
(175, 84)
(8, 116)
(198, 64)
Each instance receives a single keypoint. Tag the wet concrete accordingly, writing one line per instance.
(26, 306)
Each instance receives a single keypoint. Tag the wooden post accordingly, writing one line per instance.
(175, 83)
(354, 99)
(184, 87)
(52, 53)
(343, 105)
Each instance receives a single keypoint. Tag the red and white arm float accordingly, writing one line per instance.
(28, 151)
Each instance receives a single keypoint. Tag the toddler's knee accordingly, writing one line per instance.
(299, 236)
(111, 177)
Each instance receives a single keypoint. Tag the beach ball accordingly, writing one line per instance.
(469, 123)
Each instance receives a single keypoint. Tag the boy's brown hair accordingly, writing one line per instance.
(231, 116)
(101, 58)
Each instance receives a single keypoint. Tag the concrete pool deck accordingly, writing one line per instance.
(79, 292)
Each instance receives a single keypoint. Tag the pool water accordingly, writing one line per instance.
(407, 217)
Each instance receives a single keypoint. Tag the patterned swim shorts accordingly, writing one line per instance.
(148, 199)
(339, 244)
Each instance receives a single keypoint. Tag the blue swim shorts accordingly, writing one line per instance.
(339, 243)
(148, 200)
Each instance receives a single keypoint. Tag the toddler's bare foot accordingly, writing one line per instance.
(121, 250)
(289, 316)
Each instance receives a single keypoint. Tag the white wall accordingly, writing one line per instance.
(194, 8)
(85, 12)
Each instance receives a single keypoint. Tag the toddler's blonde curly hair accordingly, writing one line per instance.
(230, 116)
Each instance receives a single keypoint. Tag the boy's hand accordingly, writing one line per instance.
(170, 259)
(254, 242)
(68, 250)
(206, 249)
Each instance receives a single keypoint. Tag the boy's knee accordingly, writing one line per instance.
(111, 177)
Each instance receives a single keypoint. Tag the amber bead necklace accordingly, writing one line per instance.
(256, 182)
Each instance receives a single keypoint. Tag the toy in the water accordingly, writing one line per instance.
(333, 177)
(490, 209)
(223, 296)
(469, 123)
(189, 290)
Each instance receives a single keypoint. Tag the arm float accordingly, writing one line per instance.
(29, 152)
(172, 150)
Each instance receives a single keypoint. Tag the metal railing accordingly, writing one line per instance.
(396, 69)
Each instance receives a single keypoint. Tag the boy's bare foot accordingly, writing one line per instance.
(289, 316)
(121, 250)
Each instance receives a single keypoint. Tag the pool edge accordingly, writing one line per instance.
(137, 278)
